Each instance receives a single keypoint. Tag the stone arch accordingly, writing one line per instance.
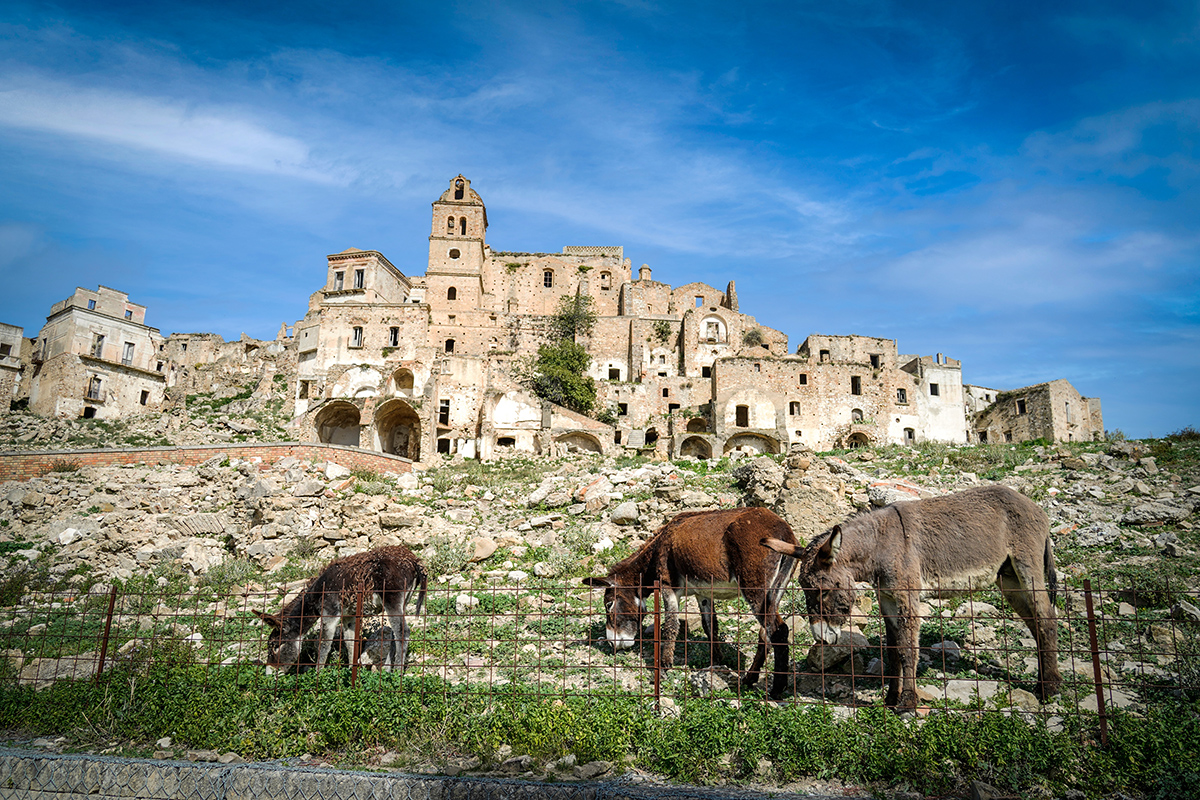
(506, 441)
(404, 382)
(697, 425)
(697, 447)
(399, 429)
(754, 442)
(714, 329)
(338, 422)
(583, 441)
(857, 439)
(651, 437)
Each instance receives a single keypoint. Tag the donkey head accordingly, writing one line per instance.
(828, 586)
(283, 642)
(624, 607)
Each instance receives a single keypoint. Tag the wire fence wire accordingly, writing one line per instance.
(1122, 646)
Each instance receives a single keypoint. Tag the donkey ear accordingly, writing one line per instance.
(829, 551)
(600, 583)
(269, 619)
(779, 546)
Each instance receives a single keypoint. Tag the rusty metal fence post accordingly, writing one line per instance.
(358, 636)
(1096, 674)
(657, 649)
(112, 604)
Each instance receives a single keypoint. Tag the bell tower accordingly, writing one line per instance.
(457, 236)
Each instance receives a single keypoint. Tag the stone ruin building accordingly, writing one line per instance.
(420, 365)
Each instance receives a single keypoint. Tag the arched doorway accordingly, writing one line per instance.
(752, 443)
(696, 447)
(581, 441)
(338, 423)
(697, 425)
(399, 429)
(858, 440)
(403, 380)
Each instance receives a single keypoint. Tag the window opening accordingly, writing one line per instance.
(89, 412)
(443, 446)
(338, 279)
(902, 395)
(804, 380)
(699, 302)
(706, 372)
(128, 315)
(450, 224)
(449, 345)
(548, 278)
(454, 252)
(452, 293)
(393, 337)
(145, 398)
(742, 414)
(1008, 436)
(666, 392)
(462, 226)
(458, 190)
(356, 336)
(758, 367)
(614, 373)
(303, 390)
(910, 435)
(622, 409)
(360, 278)
(93, 390)
(91, 305)
(824, 355)
(983, 437)
(159, 367)
(605, 280)
(185, 347)
(98, 345)
(934, 391)
(793, 408)
(1020, 406)
(855, 384)
(651, 437)
(672, 407)
(127, 355)
(856, 415)
(617, 437)
(875, 362)
(506, 441)
(443, 412)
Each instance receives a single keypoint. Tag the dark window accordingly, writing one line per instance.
(651, 436)
(449, 345)
(910, 435)
(666, 392)
(462, 225)
(855, 384)
(393, 337)
(89, 412)
(617, 437)
(875, 362)
(128, 315)
(605, 280)
(185, 347)
(1008, 436)
(622, 409)
(454, 253)
(360, 278)
(804, 380)
(856, 415)
(450, 224)
(933, 390)
(983, 437)
(506, 441)
(987, 398)
(902, 395)
(758, 367)
(159, 367)
(1020, 406)
(145, 398)
(614, 373)
(459, 187)
(443, 446)
(824, 355)
(672, 407)
(443, 412)
(98, 346)
(548, 278)
(793, 408)
(706, 372)
(304, 390)
(5, 349)
(452, 293)
(743, 416)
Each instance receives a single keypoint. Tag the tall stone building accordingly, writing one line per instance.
(12, 340)
(414, 365)
(96, 357)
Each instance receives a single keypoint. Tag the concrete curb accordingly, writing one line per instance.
(28, 775)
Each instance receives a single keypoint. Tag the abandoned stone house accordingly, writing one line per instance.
(418, 365)
(95, 357)
(12, 340)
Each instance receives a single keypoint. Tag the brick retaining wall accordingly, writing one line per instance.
(22, 466)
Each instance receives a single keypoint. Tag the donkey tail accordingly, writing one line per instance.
(1051, 572)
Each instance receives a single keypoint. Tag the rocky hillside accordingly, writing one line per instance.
(230, 536)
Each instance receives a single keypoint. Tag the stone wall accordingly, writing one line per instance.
(22, 466)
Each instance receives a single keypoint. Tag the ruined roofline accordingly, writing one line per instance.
(347, 255)
(95, 312)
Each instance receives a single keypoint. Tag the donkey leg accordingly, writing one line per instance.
(670, 628)
(708, 620)
(891, 650)
(1033, 606)
(328, 629)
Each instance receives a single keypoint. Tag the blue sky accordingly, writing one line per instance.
(1013, 184)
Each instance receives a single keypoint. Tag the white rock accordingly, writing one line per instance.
(334, 472)
(602, 545)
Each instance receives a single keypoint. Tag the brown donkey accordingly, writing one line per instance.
(940, 546)
(714, 555)
(388, 577)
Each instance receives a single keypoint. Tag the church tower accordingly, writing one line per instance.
(454, 278)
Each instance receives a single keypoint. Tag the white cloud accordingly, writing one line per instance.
(222, 137)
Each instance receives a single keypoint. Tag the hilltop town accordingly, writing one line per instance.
(417, 366)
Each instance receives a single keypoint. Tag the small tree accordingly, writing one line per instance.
(576, 315)
(558, 374)
(752, 338)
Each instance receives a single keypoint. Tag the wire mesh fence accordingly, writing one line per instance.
(1118, 646)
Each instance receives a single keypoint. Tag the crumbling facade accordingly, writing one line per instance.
(12, 340)
(1054, 411)
(96, 357)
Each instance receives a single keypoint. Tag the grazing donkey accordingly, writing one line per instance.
(712, 555)
(388, 576)
(940, 546)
